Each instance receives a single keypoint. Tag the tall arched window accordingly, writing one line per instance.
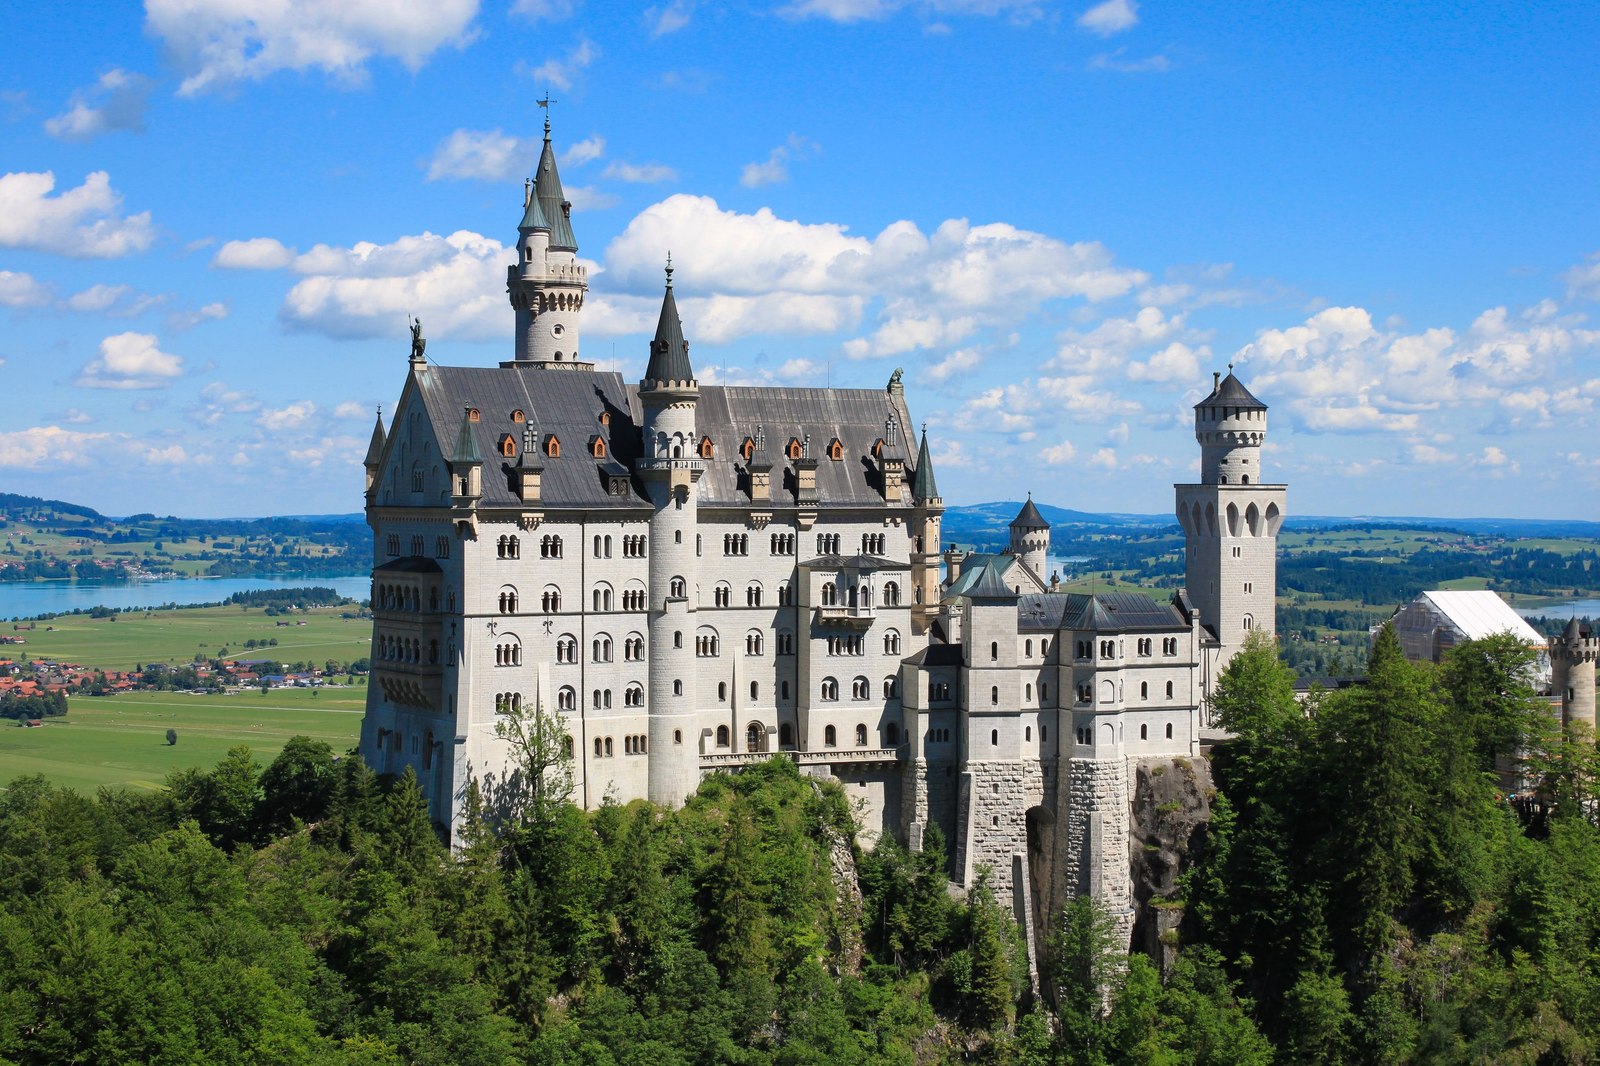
(722, 736)
(830, 737)
(755, 738)
(861, 735)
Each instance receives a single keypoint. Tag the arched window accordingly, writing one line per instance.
(677, 588)
(508, 599)
(677, 687)
(551, 600)
(860, 689)
(752, 594)
(567, 699)
(1169, 690)
(994, 695)
(722, 595)
(1144, 690)
(722, 736)
(830, 688)
(861, 735)
(994, 651)
(830, 594)
(755, 738)
(708, 450)
(830, 737)
(891, 594)
(753, 642)
(891, 642)
(633, 696)
(835, 450)
(785, 735)
(722, 692)
(891, 735)
(755, 691)
(891, 688)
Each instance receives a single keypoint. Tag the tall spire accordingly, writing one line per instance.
(923, 487)
(553, 203)
(375, 446)
(669, 352)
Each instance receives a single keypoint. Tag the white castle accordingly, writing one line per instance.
(696, 577)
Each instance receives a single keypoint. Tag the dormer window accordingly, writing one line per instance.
(473, 415)
(597, 447)
(508, 445)
(518, 417)
(552, 446)
(794, 450)
(708, 450)
(748, 449)
(877, 448)
(605, 418)
(835, 450)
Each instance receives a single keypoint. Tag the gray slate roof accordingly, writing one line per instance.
(570, 405)
(1231, 393)
(547, 187)
(854, 562)
(375, 446)
(922, 484)
(669, 352)
(1029, 517)
(1103, 612)
(533, 214)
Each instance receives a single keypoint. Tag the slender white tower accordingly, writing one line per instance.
(547, 283)
(1230, 520)
(669, 468)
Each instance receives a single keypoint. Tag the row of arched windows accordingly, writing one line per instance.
(403, 598)
(860, 688)
(407, 650)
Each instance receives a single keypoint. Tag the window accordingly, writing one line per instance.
(1247, 623)
(705, 643)
(891, 735)
(552, 446)
(1027, 649)
(708, 450)
(601, 596)
(994, 695)
(872, 543)
(507, 653)
(755, 738)
(601, 649)
(994, 650)
(441, 547)
(677, 687)
(416, 544)
(509, 548)
(939, 691)
(747, 449)
(830, 689)
(755, 691)
(861, 735)
(827, 544)
(508, 445)
(736, 544)
(550, 547)
(994, 741)
(633, 696)
(1169, 690)
(508, 600)
(752, 594)
(722, 736)
(1144, 732)
(783, 690)
(891, 642)
(722, 595)
(782, 543)
(835, 449)
(1144, 645)
(891, 688)
(860, 689)
(794, 450)
(722, 692)
(393, 545)
(891, 594)
(633, 599)
(677, 640)
(1144, 690)
(551, 600)
(1027, 692)
(785, 642)
(567, 700)
(830, 737)
(633, 546)
(753, 642)
(785, 594)
(1169, 646)
(830, 594)
(785, 735)
(633, 648)
(1249, 587)
(676, 588)
(1169, 730)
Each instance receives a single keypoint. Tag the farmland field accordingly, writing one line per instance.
(177, 636)
(121, 740)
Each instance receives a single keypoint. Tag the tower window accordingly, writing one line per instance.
(518, 416)
(835, 450)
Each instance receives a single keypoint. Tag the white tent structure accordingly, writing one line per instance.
(1434, 622)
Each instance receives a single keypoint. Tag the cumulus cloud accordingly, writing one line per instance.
(117, 101)
(351, 410)
(669, 18)
(563, 72)
(211, 312)
(130, 361)
(585, 151)
(217, 43)
(22, 290)
(97, 297)
(218, 403)
(957, 362)
(640, 173)
(257, 253)
(291, 416)
(85, 222)
(1177, 363)
(486, 155)
(1058, 454)
(1110, 17)
(774, 170)
(39, 447)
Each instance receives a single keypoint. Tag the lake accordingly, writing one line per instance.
(30, 598)
(1582, 608)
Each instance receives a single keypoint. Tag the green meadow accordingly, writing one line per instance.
(178, 636)
(121, 741)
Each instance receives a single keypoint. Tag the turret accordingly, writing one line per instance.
(1231, 426)
(1030, 539)
(1572, 675)
(374, 459)
(466, 466)
(928, 508)
(669, 468)
(547, 283)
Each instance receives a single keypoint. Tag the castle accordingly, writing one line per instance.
(695, 577)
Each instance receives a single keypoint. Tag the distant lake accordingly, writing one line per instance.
(1581, 608)
(26, 599)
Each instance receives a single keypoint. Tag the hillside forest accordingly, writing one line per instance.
(1366, 892)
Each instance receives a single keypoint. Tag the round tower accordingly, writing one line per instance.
(669, 467)
(1572, 674)
(1030, 539)
(1231, 426)
(547, 284)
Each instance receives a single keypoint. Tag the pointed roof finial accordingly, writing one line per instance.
(545, 103)
(669, 268)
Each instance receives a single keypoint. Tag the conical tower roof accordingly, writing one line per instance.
(1029, 517)
(532, 212)
(466, 449)
(375, 446)
(922, 483)
(669, 352)
(1230, 392)
(552, 201)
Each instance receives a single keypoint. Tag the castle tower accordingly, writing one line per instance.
(1230, 521)
(929, 508)
(669, 468)
(1572, 666)
(547, 283)
(1030, 539)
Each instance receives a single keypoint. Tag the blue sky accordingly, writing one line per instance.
(1058, 218)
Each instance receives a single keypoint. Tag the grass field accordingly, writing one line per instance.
(177, 636)
(121, 740)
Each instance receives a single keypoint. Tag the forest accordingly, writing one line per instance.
(1369, 890)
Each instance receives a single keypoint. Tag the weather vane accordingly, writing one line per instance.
(545, 103)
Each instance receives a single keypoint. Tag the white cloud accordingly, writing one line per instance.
(83, 223)
(847, 11)
(1058, 454)
(669, 18)
(22, 290)
(545, 10)
(957, 362)
(1583, 280)
(585, 151)
(775, 169)
(117, 101)
(1121, 63)
(97, 297)
(589, 198)
(1110, 17)
(487, 155)
(77, 417)
(563, 72)
(211, 312)
(1177, 363)
(257, 253)
(130, 361)
(909, 327)
(641, 173)
(217, 43)
(840, 10)
(292, 416)
(351, 410)
(39, 447)
(218, 402)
